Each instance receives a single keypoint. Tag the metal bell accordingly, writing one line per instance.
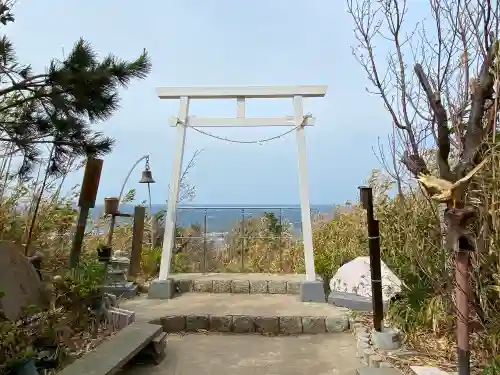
(147, 177)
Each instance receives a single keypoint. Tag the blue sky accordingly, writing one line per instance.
(223, 42)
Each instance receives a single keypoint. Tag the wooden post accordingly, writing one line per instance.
(137, 237)
(366, 197)
(88, 195)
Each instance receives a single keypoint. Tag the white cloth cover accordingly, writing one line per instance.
(354, 277)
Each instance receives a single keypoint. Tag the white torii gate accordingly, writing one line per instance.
(183, 121)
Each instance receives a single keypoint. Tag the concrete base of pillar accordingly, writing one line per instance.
(312, 291)
(386, 339)
(162, 289)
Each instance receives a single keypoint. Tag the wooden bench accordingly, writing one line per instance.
(112, 354)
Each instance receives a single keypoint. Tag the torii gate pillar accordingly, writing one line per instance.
(311, 288)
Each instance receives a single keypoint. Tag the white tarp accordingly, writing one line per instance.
(354, 277)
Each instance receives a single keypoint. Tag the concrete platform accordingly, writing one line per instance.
(218, 354)
(243, 313)
(353, 301)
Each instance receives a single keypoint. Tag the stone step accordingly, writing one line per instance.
(240, 313)
(238, 283)
(378, 371)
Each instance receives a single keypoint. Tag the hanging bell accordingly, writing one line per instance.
(147, 177)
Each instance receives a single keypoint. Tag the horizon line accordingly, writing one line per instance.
(234, 204)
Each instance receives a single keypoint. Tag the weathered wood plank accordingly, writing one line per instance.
(112, 354)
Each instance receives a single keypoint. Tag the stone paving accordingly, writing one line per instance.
(246, 283)
(282, 334)
(239, 276)
(218, 354)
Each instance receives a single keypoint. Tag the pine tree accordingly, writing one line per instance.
(58, 107)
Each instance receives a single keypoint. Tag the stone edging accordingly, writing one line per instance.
(237, 286)
(254, 324)
(365, 351)
(370, 356)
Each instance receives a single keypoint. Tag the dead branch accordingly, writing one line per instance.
(483, 90)
(443, 138)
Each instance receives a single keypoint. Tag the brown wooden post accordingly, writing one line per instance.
(459, 239)
(366, 196)
(88, 195)
(137, 237)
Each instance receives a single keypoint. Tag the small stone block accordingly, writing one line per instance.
(174, 323)
(361, 332)
(290, 324)
(222, 286)
(312, 291)
(196, 322)
(243, 324)
(375, 361)
(185, 286)
(361, 346)
(337, 323)
(258, 287)
(161, 289)
(276, 287)
(386, 365)
(401, 352)
(220, 323)
(363, 338)
(293, 287)
(367, 354)
(267, 324)
(240, 286)
(378, 371)
(313, 324)
(203, 286)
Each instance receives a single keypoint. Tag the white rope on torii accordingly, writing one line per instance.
(241, 94)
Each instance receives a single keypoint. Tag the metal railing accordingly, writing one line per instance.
(238, 239)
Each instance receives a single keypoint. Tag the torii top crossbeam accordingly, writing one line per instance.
(250, 92)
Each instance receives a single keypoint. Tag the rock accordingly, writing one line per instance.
(220, 323)
(276, 287)
(174, 323)
(267, 324)
(240, 286)
(19, 281)
(243, 324)
(196, 322)
(203, 286)
(222, 286)
(258, 286)
(313, 324)
(354, 277)
(290, 324)
(293, 287)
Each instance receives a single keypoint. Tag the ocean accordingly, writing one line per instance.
(221, 218)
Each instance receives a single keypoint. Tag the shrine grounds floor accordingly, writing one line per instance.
(221, 354)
